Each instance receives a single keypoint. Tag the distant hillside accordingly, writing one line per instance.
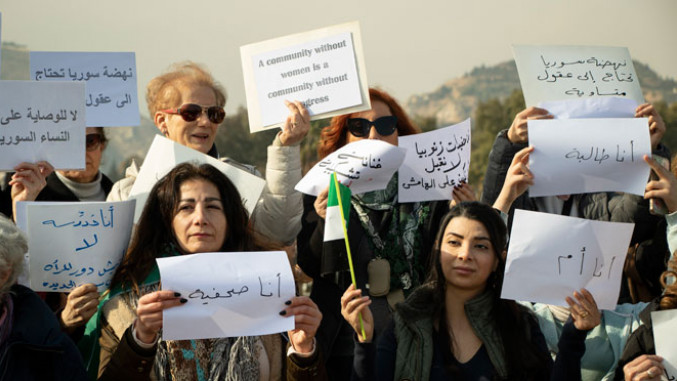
(456, 99)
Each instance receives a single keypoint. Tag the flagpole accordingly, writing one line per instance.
(350, 256)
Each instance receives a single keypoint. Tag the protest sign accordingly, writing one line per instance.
(435, 163)
(596, 81)
(664, 325)
(588, 155)
(42, 121)
(323, 68)
(111, 95)
(164, 154)
(363, 166)
(74, 243)
(229, 294)
(550, 256)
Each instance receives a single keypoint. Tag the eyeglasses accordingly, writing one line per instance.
(93, 141)
(360, 127)
(190, 112)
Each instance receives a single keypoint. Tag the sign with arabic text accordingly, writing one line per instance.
(111, 95)
(588, 155)
(42, 121)
(435, 163)
(247, 302)
(74, 243)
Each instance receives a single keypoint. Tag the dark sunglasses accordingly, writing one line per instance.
(360, 127)
(190, 112)
(93, 141)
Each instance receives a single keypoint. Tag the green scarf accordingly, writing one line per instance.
(89, 344)
(401, 243)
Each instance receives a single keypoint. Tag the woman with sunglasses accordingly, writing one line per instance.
(39, 182)
(186, 105)
(387, 238)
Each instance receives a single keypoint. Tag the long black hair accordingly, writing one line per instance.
(154, 232)
(514, 323)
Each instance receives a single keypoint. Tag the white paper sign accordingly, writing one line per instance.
(322, 68)
(558, 73)
(229, 294)
(74, 243)
(664, 327)
(42, 121)
(588, 155)
(111, 95)
(550, 256)
(435, 163)
(164, 154)
(363, 166)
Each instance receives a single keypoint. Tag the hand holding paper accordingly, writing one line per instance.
(307, 318)
(656, 124)
(518, 132)
(149, 313)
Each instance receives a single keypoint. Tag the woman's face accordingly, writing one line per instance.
(198, 134)
(467, 255)
(200, 223)
(378, 109)
(93, 154)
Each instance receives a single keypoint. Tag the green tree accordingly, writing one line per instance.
(490, 117)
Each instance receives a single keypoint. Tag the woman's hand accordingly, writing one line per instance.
(320, 203)
(307, 318)
(352, 304)
(517, 180)
(462, 192)
(28, 181)
(664, 188)
(518, 132)
(584, 310)
(656, 124)
(297, 124)
(149, 313)
(81, 304)
(644, 368)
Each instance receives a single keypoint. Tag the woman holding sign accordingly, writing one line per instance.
(389, 240)
(186, 105)
(192, 210)
(456, 326)
(39, 182)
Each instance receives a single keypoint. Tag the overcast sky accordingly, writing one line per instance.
(410, 47)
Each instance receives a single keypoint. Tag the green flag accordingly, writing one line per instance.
(333, 228)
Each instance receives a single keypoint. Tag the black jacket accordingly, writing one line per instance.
(36, 348)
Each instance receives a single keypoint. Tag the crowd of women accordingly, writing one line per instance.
(426, 300)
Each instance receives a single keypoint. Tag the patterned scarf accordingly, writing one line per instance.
(231, 359)
(401, 242)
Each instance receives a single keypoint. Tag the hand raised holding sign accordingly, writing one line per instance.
(664, 188)
(296, 126)
(149, 313)
(584, 310)
(28, 181)
(518, 132)
(517, 180)
(307, 318)
(656, 124)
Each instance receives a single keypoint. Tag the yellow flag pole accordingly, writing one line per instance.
(350, 256)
